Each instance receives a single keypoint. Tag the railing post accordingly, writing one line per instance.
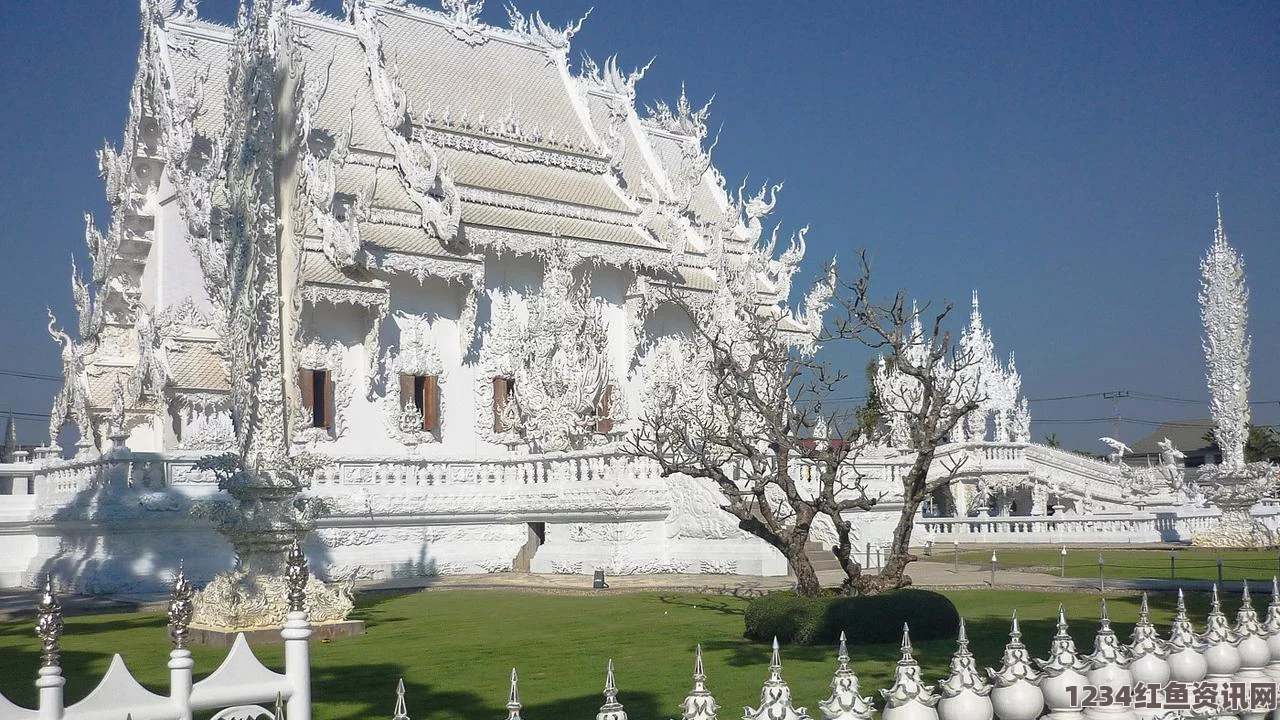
(1102, 576)
(956, 569)
(993, 569)
(180, 662)
(1219, 570)
(297, 634)
(1064, 561)
(1173, 566)
(50, 681)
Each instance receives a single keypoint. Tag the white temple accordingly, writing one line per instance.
(468, 234)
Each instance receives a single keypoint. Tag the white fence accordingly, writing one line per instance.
(241, 688)
(1148, 670)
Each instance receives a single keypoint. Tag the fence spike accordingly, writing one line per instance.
(180, 609)
(513, 698)
(401, 712)
(611, 709)
(775, 695)
(1063, 655)
(1015, 665)
(295, 574)
(1145, 639)
(964, 675)
(845, 702)
(279, 709)
(49, 624)
(699, 704)
(908, 684)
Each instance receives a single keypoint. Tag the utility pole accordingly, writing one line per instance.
(1115, 396)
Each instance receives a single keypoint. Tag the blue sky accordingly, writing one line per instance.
(1061, 158)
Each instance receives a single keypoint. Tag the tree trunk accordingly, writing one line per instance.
(807, 584)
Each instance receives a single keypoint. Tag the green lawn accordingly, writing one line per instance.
(1189, 563)
(455, 650)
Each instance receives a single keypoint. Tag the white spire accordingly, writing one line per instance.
(513, 698)
(775, 696)
(611, 709)
(401, 712)
(845, 702)
(699, 703)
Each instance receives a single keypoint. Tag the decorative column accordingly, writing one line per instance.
(698, 704)
(180, 661)
(965, 694)
(1016, 695)
(1255, 653)
(845, 703)
(1109, 667)
(909, 698)
(1063, 669)
(611, 709)
(1233, 486)
(775, 696)
(49, 628)
(1272, 630)
(297, 634)
(1186, 649)
(1148, 666)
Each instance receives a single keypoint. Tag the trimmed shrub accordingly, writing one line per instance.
(865, 620)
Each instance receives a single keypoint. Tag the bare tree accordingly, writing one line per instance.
(936, 385)
(743, 403)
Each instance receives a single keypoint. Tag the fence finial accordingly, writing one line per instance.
(1015, 665)
(180, 609)
(49, 624)
(1182, 633)
(964, 670)
(279, 713)
(1272, 623)
(699, 703)
(908, 684)
(846, 702)
(1247, 618)
(401, 712)
(295, 574)
(775, 695)
(611, 709)
(1145, 639)
(1062, 651)
(513, 698)
(1106, 646)
(1216, 629)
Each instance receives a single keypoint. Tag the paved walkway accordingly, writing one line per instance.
(924, 574)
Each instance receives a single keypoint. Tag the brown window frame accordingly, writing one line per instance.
(503, 389)
(311, 381)
(423, 391)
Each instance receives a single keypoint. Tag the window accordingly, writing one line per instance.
(604, 423)
(317, 396)
(503, 389)
(423, 392)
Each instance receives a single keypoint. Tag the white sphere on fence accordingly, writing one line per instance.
(1150, 669)
(1187, 666)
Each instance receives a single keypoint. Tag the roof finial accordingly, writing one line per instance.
(180, 609)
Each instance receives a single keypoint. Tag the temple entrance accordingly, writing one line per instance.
(537, 536)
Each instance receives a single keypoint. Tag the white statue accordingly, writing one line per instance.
(1119, 449)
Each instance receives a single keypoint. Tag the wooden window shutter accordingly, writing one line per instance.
(499, 400)
(431, 403)
(306, 383)
(327, 379)
(605, 423)
(406, 391)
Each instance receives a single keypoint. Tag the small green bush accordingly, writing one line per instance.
(864, 620)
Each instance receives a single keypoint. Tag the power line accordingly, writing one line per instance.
(30, 375)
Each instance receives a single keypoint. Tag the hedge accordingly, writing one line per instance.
(864, 620)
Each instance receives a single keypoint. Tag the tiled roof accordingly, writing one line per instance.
(317, 270)
(198, 366)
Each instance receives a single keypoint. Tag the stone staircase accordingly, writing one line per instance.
(825, 564)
